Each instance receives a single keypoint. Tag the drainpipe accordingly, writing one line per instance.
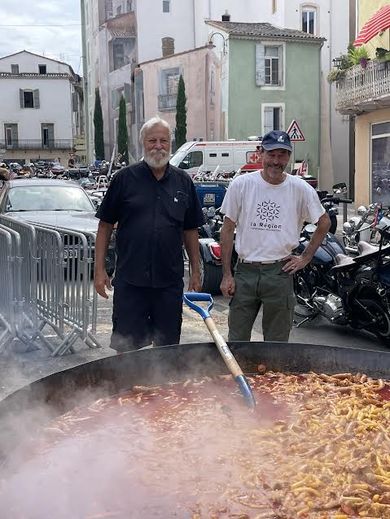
(320, 79)
(193, 23)
(85, 79)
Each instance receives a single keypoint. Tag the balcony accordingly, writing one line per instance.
(167, 102)
(37, 144)
(364, 89)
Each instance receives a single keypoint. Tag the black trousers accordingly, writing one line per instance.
(142, 315)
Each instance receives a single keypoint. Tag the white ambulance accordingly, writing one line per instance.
(209, 156)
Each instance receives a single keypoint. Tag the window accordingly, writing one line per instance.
(194, 159)
(29, 98)
(380, 165)
(309, 20)
(169, 81)
(14, 69)
(119, 10)
(166, 6)
(121, 49)
(129, 6)
(11, 135)
(269, 65)
(42, 69)
(47, 133)
(272, 117)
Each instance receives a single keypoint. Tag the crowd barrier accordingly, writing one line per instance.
(46, 281)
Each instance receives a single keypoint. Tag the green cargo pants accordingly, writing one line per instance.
(267, 286)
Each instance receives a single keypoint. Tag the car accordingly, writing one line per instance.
(55, 203)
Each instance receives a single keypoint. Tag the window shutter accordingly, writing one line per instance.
(127, 92)
(14, 133)
(21, 97)
(260, 64)
(36, 98)
(50, 131)
(280, 71)
(74, 102)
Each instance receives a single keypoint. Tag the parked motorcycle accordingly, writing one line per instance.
(362, 226)
(210, 251)
(346, 290)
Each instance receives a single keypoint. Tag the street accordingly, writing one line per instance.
(18, 368)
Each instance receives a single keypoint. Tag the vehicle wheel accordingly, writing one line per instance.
(379, 323)
(210, 277)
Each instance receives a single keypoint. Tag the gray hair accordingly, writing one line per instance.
(154, 121)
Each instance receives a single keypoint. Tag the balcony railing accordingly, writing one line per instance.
(37, 144)
(167, 102)
(364, 89)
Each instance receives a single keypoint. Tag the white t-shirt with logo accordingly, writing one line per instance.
(269, 217)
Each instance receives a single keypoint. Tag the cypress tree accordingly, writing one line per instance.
(123, 146)
(181, 114)
(98, 126)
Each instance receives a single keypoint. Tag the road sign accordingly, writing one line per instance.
(294, 132)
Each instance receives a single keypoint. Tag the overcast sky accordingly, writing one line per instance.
(46, 27)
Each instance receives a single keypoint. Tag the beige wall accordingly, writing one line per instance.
(203, 95)
(366, 9)
(363, 153)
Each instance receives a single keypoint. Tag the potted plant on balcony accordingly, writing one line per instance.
(341, 64)
(358, 56)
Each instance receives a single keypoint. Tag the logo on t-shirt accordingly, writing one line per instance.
(267, 216)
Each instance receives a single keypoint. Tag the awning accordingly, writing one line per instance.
(378, 23)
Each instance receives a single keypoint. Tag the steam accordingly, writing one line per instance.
(130, 465)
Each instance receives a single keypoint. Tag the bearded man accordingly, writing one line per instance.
(155, 209)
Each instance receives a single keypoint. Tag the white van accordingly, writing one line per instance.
(200, 156)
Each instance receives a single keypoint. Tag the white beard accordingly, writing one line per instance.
(157, 162)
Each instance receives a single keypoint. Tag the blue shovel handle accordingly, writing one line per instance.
(191, 297)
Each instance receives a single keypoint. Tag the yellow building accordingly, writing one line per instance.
(364, 93)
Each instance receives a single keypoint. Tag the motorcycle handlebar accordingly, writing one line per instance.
(336, 200)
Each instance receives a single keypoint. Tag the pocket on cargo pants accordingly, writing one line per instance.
(277, 293)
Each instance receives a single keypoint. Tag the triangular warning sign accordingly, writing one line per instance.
(294, 132)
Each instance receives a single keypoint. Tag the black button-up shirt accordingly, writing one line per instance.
(151, 216)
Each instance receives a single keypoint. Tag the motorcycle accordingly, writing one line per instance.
(346, 290)
(210, 251)
(362, 226)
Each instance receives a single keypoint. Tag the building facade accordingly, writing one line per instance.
(200, 69)
(166, 27)
(41, 109)
(363, 93)
(110, 54)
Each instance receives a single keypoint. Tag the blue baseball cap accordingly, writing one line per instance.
(276, 140)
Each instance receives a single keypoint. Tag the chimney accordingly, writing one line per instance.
(226, 16)
(167, 46)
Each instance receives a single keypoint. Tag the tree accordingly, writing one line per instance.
(123, 139)
(98, 125)
(181, 114)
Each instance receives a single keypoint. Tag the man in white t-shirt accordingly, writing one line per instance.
(267, 208)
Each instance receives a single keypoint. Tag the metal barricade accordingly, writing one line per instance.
(7, 299)
(23, 319)
(55, 282)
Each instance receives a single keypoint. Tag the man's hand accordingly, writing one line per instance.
(194, 283)
(228, 285)
(101, 282)
(295, 263)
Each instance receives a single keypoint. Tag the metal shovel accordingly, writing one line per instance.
(190, 298)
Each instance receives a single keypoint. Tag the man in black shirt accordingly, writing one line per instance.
(156, 209)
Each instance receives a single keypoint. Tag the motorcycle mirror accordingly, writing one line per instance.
(340, 188)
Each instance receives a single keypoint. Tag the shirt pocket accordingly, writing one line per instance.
(177, 206)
